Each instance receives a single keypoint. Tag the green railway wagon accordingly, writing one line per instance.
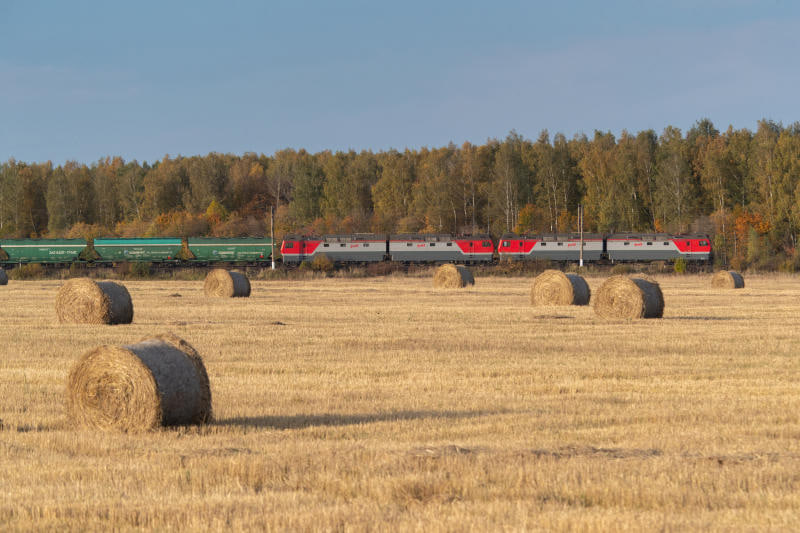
(138, 250)
(41, 250)
(233, 249)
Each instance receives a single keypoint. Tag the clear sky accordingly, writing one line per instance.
(81, 80)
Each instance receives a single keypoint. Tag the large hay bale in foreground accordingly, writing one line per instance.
(85, 301)
(3, 277)
(157, 382)
(553, 287)
(727, 279)
(452, 277)
(221, 283)
(629, 297)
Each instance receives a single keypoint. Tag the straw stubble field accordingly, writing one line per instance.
(381, 403)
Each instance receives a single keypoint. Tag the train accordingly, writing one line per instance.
(476, 249)
(410, 248)
(165, 251)
(360, 248)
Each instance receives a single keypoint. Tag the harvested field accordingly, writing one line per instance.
(356, 404)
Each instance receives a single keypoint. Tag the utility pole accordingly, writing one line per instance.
(272, 234)
(580, 226)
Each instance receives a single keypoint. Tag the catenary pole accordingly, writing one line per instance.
(580, 224)
(272, 234)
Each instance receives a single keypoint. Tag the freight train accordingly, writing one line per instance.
(160, 251)
(418, 248)
(359, 248)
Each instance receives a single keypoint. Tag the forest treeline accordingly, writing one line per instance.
(742, 187)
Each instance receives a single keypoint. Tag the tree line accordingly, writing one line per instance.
(740, 186)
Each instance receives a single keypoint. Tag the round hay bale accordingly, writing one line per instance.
(3, 277)
(221, 283)
(157, 382)
(553, 287)
(727, 279)
(85, 301)
(451, 276)
(629, 297)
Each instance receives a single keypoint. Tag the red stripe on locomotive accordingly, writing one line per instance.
(470, 246)
(689, 245)
(299, 247)
(516, 246)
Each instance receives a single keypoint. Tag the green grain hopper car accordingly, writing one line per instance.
(48, 251)
(231, 250)
(138, 250)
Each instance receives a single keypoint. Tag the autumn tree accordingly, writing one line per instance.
(250, 195)
(512, 182)
(165, 186)
(597, 166)
(347, 191)
(391, 194)
(308, 181)
(280, 176)
(30, 208)
(675, 195)
(130, 189)
(476, 164)
(208, 181)
(105, 178)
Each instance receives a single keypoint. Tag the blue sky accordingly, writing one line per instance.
(82, 80)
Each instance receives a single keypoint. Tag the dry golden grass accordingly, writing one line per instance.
(384, 404)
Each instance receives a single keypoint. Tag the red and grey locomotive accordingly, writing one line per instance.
(443, 247)
(412, 248)
(616, 247)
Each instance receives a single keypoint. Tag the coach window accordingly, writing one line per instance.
(451, 244)
(325, 245)
(290, 245)
(666, 243)
(703, 243)
(408, 244)
(366, 244)
(544, 244)
(506, 243)
(649, 244)
(627, 244)
(342, 245)
(433, 244)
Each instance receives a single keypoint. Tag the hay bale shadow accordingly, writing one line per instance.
(334, 419)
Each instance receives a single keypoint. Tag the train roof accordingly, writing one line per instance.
(343, 237)
(552, 236)
(436, 237)
(655, 236)
(228, 240)
(41, 242)
(137, 241)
